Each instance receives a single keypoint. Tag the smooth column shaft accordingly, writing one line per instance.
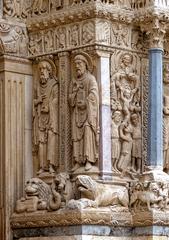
(155, 116)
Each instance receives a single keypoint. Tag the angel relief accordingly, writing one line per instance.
(126, 118)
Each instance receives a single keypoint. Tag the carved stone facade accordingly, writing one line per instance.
(75, 84)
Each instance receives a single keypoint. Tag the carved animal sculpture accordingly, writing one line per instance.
(39, 196)
(62, 191)
(99, 194)
(148, 197)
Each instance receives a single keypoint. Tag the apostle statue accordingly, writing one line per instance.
(45, 117)
(84, 103)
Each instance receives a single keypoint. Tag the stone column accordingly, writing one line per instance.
(155, 117)
(103, 77)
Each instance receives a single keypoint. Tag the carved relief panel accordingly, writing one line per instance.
(46, 116)
(126, 114)
(84, 106)
(121, 35)
(63, 37)
(13, 39)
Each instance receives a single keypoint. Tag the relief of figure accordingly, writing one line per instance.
(45, 118)
(116, 121)
(8, 8)
(48, 41)
(84, 103)
(121, 35)
(166, 133)
(125, 98)
(74, 36)
(124, 164)
(60, 38)
(136, 144)
(55, 4)
(37, 7)
(126, 77)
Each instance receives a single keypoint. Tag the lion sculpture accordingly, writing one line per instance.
(95, 194)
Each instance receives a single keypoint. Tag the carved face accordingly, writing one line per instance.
(134, 119)
(44, 70)
(80, 67)
(117, 117)
(127, 60)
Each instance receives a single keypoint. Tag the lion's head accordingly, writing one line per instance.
(87, 186)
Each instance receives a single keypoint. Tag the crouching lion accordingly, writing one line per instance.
(94, 194)
(39, 196)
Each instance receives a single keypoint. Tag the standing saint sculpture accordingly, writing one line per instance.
(84, 103)
(45, 118)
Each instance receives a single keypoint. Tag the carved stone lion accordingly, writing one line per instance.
(94, 194)
(39, 196)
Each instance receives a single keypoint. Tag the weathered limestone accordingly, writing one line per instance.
(76, 135)
(15, 134)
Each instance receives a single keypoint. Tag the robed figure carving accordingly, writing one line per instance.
(45, 117)
(84, 102)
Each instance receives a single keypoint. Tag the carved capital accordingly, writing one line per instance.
(156, 31)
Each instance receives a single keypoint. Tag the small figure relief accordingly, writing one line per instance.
(45, 118)
(38, 7)
(74, 36)
(103, 32)
(149, 196)
(55, 5)
(124, 164)
(49, 41)
(8, 8)
(35, 44)
(16, 8)
(84, 104)
(116, 146)
(120, 35)
(94, 194)
(15, 41)
(88, 33)
(136, 143)
(60, 38)
(126, 124)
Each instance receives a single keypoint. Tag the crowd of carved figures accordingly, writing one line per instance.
(126, 118)
(83, 101)
(22, 9)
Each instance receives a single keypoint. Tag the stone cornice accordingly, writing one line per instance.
(78, 13)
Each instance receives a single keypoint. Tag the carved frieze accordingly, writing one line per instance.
(63, 38)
